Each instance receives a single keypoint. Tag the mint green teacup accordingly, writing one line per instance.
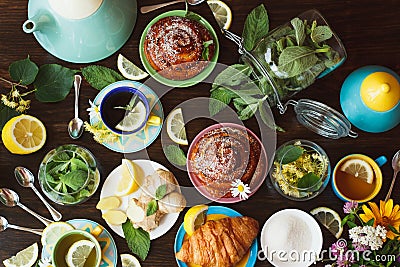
(65, 242)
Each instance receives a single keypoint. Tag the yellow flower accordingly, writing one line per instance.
(385, 215)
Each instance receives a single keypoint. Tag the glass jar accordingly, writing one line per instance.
(291, 57)
(301, 170)
(68, 175)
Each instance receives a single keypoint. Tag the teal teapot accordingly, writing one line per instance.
(81, 31)
(370, 98)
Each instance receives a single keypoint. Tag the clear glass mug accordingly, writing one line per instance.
(317, 59)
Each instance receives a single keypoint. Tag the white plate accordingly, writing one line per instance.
(109, 187)
(283, 247)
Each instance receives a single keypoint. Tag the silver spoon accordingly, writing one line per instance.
(27, 179)
(75, 126)
(4, 225)
(146, 9)
(396, 169)
(11, 199)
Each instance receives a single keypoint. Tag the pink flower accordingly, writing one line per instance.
(350, 207)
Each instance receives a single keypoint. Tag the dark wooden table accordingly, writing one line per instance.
(369, 30)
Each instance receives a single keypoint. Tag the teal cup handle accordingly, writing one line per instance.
(378, 162)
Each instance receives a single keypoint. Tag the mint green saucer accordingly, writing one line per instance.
(183, 83)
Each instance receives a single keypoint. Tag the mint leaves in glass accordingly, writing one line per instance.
(68, 175)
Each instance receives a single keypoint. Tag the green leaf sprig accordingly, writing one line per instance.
(138, 240)
(152, 206)
(175, 155)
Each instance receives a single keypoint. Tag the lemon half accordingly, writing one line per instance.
(194, 218)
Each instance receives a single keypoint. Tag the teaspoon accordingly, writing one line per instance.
(75, 126)
(27, 179)
(146, 9)
(396, 169)
(11, 199)
(4, 225)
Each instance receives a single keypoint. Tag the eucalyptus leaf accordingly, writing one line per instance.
(310, 181)
(289, 154)
(53, 83)
(175, 155)
(255, 27)
(6, 113)
(299, 29)
(296, 59)
(152, 207)
(321, 33)
(99, 76)
(23, 71)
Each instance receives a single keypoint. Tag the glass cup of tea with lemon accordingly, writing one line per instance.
(124, 110)
(357, 177)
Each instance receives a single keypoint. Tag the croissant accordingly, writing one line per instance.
(221, 243)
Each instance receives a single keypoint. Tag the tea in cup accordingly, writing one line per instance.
(124, 110)
(357, 177)
(68, 242)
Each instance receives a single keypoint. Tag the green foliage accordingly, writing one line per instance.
(152, 207)
(23, 71)
(289, 154)
(297, 59)
(161, 191)
(310, 181)
(256, 26)
(53, 83)
(99, 76)
(175, 155)
(6, 113)
(138, 240)
(299, 29)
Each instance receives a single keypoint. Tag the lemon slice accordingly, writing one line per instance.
(130, 70)
(194, 218)
(330, 219)
(176, 127)
(129, 260)
(23, 134)
(128, 183)
(78, 253)
(134, 119)
(154, 120)
(53, 232)
(24, 258)
(222, 13)
(358, 168)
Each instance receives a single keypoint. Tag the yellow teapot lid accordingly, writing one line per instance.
(380, 91)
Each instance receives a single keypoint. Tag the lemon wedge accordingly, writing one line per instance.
(194, 218)
(78, 253)
(330, 219)
(222, 13)
(24, 258)
(176, 127)
(129, 260)
(128, 182)
(358, 168)
(53, 232)
(134, 119)
(23, 134)
(129, 70)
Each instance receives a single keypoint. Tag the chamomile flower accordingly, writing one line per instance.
(93, 110)
(240, 189)
(45, 262)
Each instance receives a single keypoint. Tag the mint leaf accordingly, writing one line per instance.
(152, 207)
(99, 77)
(74, 179)
(61, 157)
(175, 155)
(296, 59)
(206, 50)
(267, 118)
(299, 30)
(255, 27)
(161, 191)
(138, 240)
(23, 71)
(6, 113)
(53, 83)
(310, 181)
(233, 75)
(77, 164)
(248, 111)
(289, 154)
(321, 33)
(223, 96)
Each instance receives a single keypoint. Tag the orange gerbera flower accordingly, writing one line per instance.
(385, 215)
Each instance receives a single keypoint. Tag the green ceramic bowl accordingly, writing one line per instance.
(181, 83)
